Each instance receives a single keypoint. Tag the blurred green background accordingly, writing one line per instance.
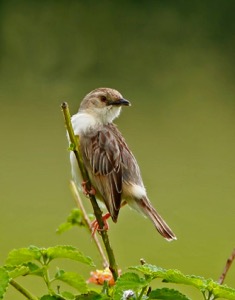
(175, 62)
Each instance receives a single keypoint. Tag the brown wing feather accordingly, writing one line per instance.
(130, 169)
(102, 157)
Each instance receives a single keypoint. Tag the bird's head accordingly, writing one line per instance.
(104, 104)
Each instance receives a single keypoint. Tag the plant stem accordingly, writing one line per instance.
(227, 266)
(97, 212)
(87, 220)
(22, 290)
(142, 292)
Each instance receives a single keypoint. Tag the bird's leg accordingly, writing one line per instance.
(87, 192)
(95, 226)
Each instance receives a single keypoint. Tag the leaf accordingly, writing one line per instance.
(18, 271)
(175, 276)
(171, 275)
(68, 252)
(167, 294)
(73, 279)
(49, 297)
(221, 291)
(4, 282)
(92, 296)
(128, 281)
(64, 227)
(34, 269)
(68, 295)
(23, 255)
(74, 219)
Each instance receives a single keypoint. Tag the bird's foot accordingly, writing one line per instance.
(95, 226)
(85, 190)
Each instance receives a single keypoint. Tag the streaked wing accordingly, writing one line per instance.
(102, 157)
(130, 169)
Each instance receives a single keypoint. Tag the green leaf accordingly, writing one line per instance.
(92, 296)
(73, 279)
(23, 255)
(67, 295)
(128, 281)
(64, 227)
(4, 282)
(18, 271)
(72, 147)
(49, 297)
(175, 276)
(220, 291)
(74, 219)
(167, 294)
(34, 269)
(70, 253)
(171, 275)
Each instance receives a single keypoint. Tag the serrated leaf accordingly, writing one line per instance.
(92, 296)
(73, 279)
(150, 270)
(221, 291)
(171, 275)
(4, 282)
(167, 294)
(175, 276)
(128, 281)
(70, 253)
(23, 255)
(18, 271)
(22, 270)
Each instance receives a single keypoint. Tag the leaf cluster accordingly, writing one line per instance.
(134, 284)
(36, 261)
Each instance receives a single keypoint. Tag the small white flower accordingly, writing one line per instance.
(128, 294)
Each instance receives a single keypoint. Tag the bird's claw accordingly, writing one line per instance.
(85, 190)
(95, 226)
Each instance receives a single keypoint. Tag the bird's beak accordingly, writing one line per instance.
(120, 102)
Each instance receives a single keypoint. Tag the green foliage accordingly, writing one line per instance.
(36, 261)
(129, 281)
(167, 294)
(74, 219)
(73, 279)
(134, 284)
(68, 252)
(4, 281)
(92, 296)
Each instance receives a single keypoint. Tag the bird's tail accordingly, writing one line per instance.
(157, 220)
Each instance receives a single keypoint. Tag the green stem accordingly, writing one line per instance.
(48, 281)
(22, 290)
(97, 212)
(142, 292)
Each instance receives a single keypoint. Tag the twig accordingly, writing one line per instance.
(22, 290)
(227, 266)
(79, 203)
(97, 212)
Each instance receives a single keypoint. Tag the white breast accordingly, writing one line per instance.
(83, 123)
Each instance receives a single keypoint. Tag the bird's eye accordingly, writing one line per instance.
(103, 98)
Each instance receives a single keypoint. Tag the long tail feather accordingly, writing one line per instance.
(157, 220)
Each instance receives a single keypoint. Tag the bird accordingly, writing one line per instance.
(112, 168)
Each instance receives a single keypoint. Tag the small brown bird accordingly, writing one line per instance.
(112, 168)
